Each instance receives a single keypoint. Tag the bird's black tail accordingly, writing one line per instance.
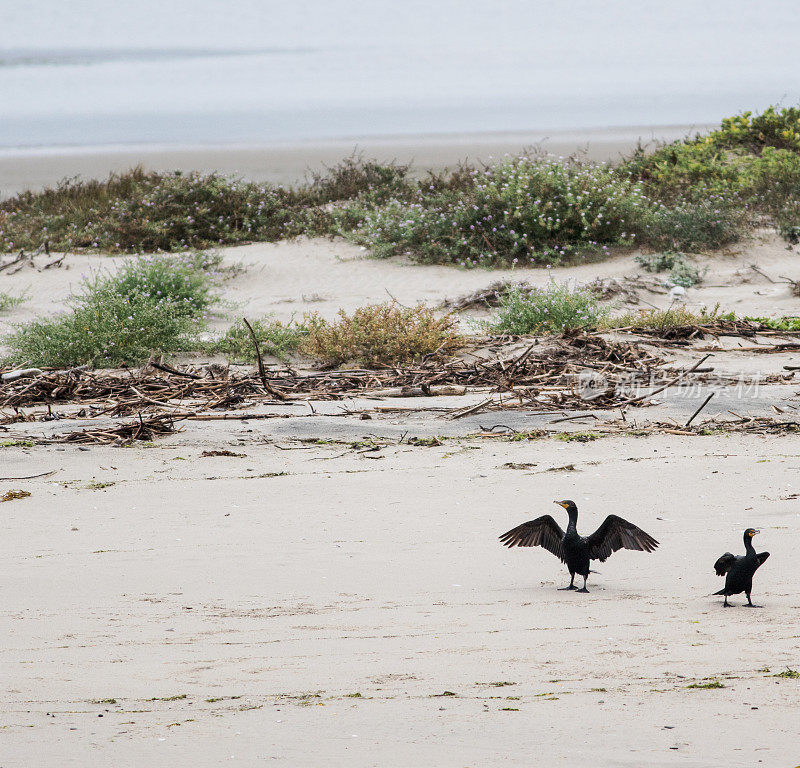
(721, 592)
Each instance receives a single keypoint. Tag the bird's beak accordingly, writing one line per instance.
(754, 533)
(560, 504)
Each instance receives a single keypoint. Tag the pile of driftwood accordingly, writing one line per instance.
(579, 370)
(552, 369)
(146, 429)
(686, 334)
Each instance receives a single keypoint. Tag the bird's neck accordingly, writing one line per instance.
(748, 545)
(573, 522)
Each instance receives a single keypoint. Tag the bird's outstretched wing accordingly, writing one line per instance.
(724, 564)
(544, 532)
(762, 556)
(616, 533)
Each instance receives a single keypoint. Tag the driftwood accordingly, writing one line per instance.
(139, 429)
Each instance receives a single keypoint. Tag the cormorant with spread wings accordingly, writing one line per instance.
(738, 570)
(574, 550)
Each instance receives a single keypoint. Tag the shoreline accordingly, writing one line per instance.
(288, 163)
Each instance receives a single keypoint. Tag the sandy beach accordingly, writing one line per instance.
(304, 606)
(306, 601)
(209, 557)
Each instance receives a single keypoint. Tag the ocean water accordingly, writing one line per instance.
(94, 72)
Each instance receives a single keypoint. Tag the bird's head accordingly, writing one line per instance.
(568, 505)
(750, 532)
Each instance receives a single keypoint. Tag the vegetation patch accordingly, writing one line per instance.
(380, 335)
(692, 195)
(577, 437)
(789, 324)
(178, 697)
(661, 320)
(707, 686)
(146, 212)
(155, 304)
(789, 674)
(7, 301)
(274, 338)
(681, 271)
(14, 495)
(553, 309)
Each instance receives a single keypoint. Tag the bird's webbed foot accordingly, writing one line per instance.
(583, 589)
(563, 589)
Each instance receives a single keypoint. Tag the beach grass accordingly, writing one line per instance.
(664, 319)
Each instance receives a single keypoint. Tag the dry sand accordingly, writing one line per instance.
(286, 279)
(317, 604)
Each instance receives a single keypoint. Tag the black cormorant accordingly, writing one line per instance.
(576, 550)
(739, 569)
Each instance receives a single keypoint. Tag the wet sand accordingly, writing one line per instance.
(324, 606)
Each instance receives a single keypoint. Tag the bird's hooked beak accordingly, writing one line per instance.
(754, 533)
(561, 503)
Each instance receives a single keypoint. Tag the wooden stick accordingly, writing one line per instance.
(262, 371)
(703, 405)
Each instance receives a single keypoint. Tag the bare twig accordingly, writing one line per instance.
(262, 371)
(703, 405)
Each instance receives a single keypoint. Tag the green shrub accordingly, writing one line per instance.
(7, 301)
(553, 309)
(139, 211)
(684, 169)
(681, 272)
(274, 338)
(154, 304)
(104, 330)
(708, 224)
(524, 210)
(774, 127)
(380, 335)
(185, 281)
(355, 178)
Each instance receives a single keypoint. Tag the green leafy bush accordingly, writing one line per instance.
(155, 304)
(274, 338)
(708, 224)
(553, 309)
(104, 330)
(790, 324)
(774, 127)
(681, 271)
(524, 210)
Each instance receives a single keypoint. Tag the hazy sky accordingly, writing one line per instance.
(319, 67)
